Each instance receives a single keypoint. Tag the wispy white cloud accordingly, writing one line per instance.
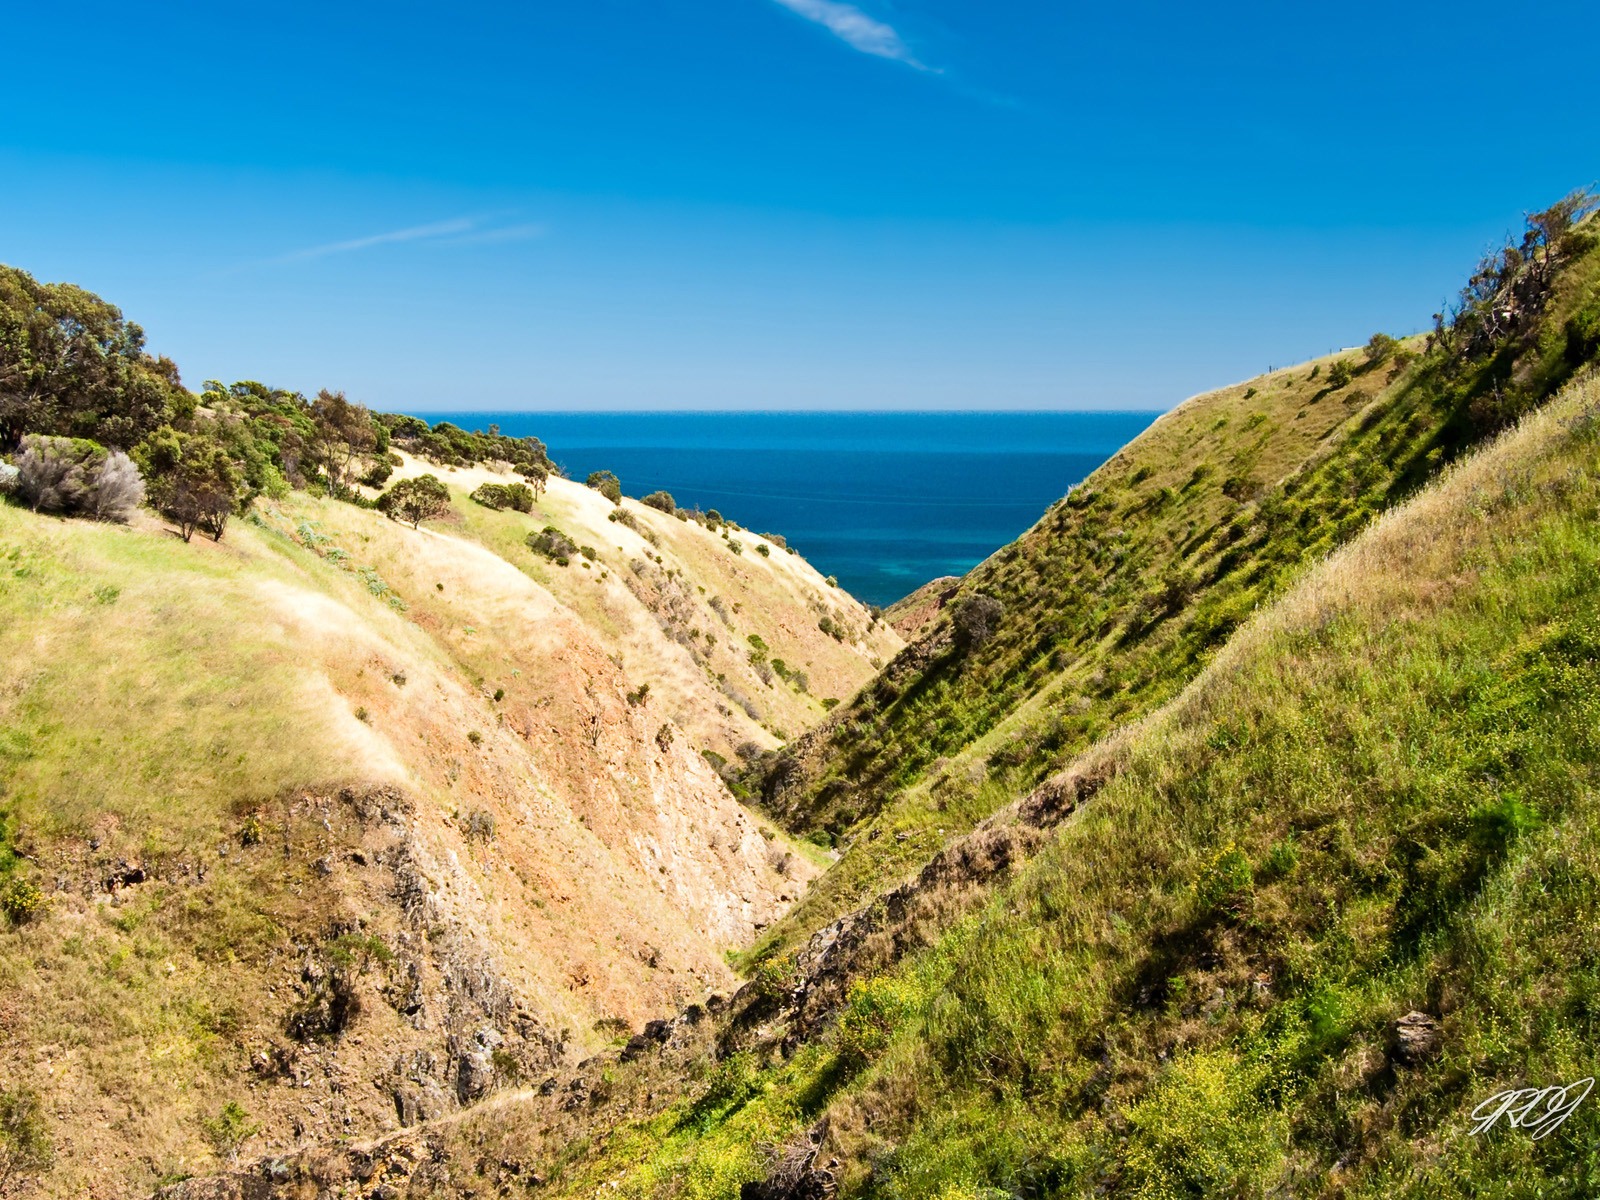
(461, 231)
(855, 28)
(503, 233)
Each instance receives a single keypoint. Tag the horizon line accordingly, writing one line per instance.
(740, 412)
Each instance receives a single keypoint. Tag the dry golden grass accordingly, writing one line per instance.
(161, 696)
(659, 617)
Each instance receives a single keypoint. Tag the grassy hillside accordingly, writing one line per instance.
(1127, 587)
(1379, 802)
(1229, 834)
(685, 624)
(348, 823)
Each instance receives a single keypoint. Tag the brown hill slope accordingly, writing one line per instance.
(358, 809)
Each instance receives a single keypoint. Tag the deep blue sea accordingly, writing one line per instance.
(884, 501)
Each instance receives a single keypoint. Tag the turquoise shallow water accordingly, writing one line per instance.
(883, 501)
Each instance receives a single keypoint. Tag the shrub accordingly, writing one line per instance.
(553, 544)
(607, 484)
(1341, 373)
(229, 1130)
(975, 619)
(416, 500)
(762, 549)
(1203, 1130)
(378, 473)
(517, 496)
(490, 495)
(24, 1136)
(75, 477)
(877, 1007)
(1225, 880)
(119, 490)
(193, 480)
(1380, 348)
(250, 832)
(21, 901)
(453, 446)
(662, 501)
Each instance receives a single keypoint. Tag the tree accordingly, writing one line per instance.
(70, 365)
(538, 478)
(194, 482)
(1380, 348)
(345, 437)
(416, 500)
(607, 484)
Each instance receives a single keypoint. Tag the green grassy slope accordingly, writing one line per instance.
(1127, 587)
(1383, 797)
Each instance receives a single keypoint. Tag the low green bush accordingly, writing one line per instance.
(553, 544)
(607, 484)
(416, 500)
(518, 496)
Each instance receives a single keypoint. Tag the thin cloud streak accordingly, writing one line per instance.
(416, 233)
(494, 237)
(853, 27)
(461, 231)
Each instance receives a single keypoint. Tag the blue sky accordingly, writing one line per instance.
(779, 203)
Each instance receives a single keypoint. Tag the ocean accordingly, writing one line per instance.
(884, 501)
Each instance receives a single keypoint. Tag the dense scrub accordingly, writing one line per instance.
(75, 371)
